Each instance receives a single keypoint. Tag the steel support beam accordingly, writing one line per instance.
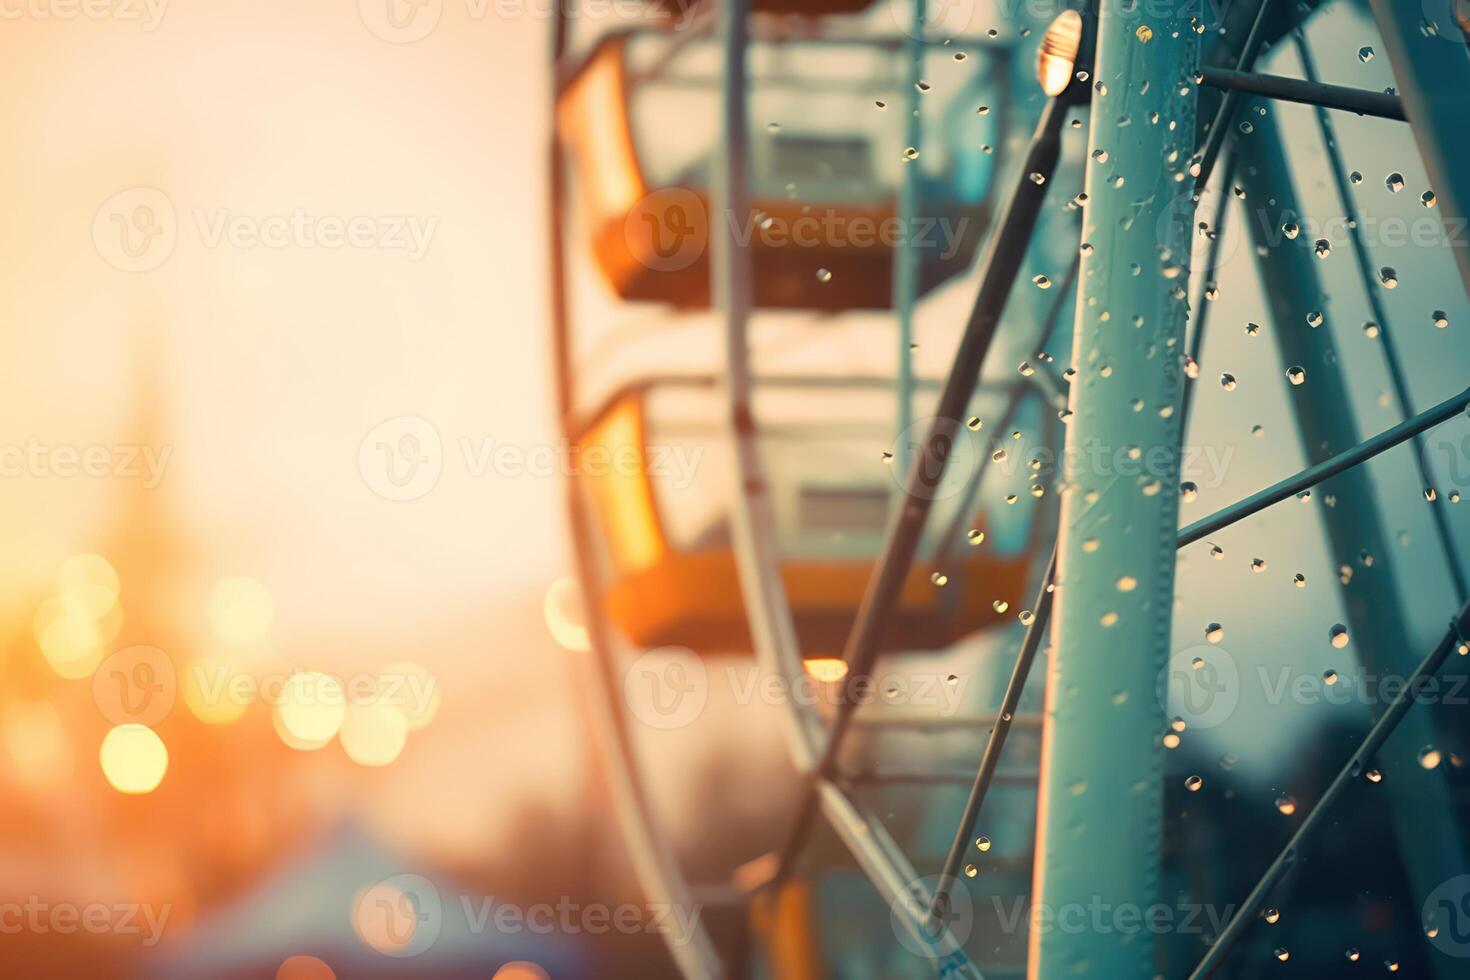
(1427, 47)
(1102, 756)
(1419, 800)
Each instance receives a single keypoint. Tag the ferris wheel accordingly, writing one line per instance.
(799, 250)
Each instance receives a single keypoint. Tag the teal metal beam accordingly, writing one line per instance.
(1102, 756)
(1419, 800)
(1427, 46)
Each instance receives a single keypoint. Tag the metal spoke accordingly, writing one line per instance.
(1197, 339)
(1364, 103)
(1380, 316)
(951, 535)
(1005, 252)
(1330, 467)
(996, 741)
(1354, 766)
(1215, 142)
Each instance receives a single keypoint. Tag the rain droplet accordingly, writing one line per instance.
(824, 275)
(1365, 53)
(977, 536)
(1428, 199)
(1193, 784)
(1394, 182)
(1291, 229)
(1283, 954)
(1144, 33)
(1329, 677)
(1323, 248)
(1373, 776)
(1000, 605)
(1370, 330)
(971, 871)
(1214, 633)
(1258, 565)
(1429, 757)
(939, 579)
(1188, 491)
(1217, 552)
(983, 843)
(1042, 282)
(1300, 580)
(1127, 583)
(1389, 277)
(1338, 635)
(911, 153)
(1356, 177)
(1353, 954)
(1441, 319)
(1227, 381)
(1296, 375)
(1272, 916)
(1314, 319)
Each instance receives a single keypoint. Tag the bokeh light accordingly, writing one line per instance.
(305, 968)
(90, 580)
(373, 734)
(521, 970)
(68, 637)
(134, 759)
(564, 617)
(213, 692)
(310, 710)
